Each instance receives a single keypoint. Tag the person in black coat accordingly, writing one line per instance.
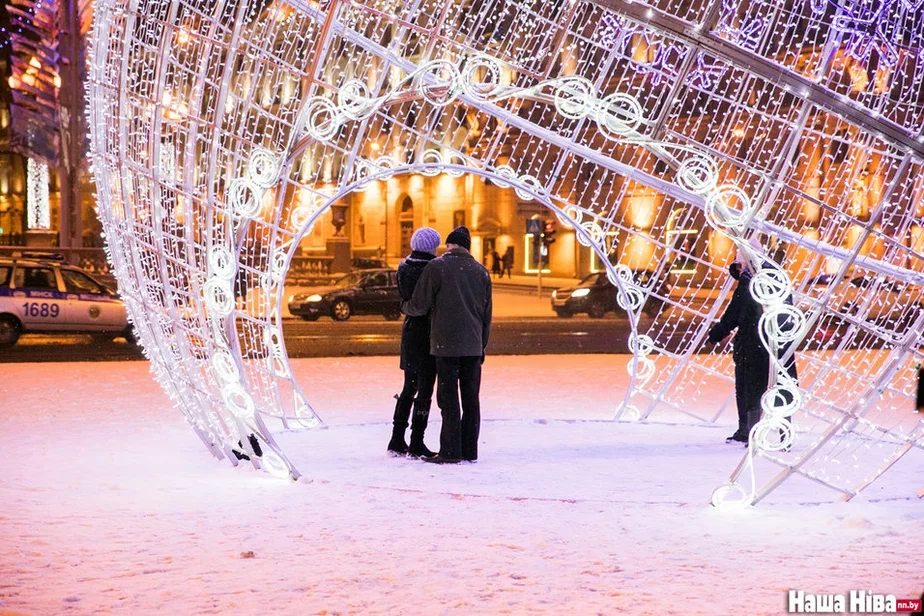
(507, 263)
(752, 362)
(455, 290)
(496, 266)
(418, 365)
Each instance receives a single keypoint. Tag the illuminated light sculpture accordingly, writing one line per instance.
(39, 211)
(704, 104)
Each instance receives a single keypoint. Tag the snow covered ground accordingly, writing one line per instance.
(110, 504)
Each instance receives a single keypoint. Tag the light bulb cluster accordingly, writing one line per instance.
(39, 210)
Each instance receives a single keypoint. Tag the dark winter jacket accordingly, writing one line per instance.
(415, 336)
(455, 290)
(743, 313)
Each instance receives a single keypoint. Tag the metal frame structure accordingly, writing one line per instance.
(223, 130)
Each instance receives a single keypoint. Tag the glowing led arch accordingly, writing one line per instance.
(260, 116)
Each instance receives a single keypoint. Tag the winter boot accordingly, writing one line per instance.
(418, 426)
(397, 445)
(254, 446)
(740, 436)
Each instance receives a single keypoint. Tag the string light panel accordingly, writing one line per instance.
(790, 132)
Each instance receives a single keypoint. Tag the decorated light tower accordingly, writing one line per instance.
(46, 46)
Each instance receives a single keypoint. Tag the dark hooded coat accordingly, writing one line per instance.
(415, 335)
(752, 362)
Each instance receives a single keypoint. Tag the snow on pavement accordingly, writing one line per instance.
(111, 504)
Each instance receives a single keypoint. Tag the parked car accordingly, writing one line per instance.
(596, 296)
(872, 298)
(41, 293)
(363, 292)
(365, 263)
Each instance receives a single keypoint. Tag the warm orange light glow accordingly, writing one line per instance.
(57, 81)
(374, 146)
(858, 77)
(182, 36)
(14, 83)
(811, 211)
(642, 209)
(854, 235)
(917, 244)
(638, 253)
(721, 248)
(35, 63)
(477, 248)
(739, 133)
(28, 79)
(268, 206)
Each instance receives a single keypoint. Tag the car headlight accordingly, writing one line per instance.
(580, 292)
(313, 298)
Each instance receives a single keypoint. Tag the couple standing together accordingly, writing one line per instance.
(447, 301)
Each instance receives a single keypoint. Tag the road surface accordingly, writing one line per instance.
(358, 336)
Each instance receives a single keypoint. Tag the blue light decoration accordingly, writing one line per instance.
(667, 55)
(748, 36)
(869, 25)
(706, 73)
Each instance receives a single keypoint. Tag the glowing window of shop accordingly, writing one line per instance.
(531, 263)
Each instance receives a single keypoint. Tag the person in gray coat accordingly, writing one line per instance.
(455, 290)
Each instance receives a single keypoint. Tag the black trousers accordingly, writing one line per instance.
(459, 376)
(751, 379)
(418, 384)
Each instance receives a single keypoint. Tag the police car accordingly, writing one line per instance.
(42, 294)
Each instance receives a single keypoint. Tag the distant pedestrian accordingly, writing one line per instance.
(455, 290)
(508, 263)
(418, 364)
(496, 266)
(752, 362)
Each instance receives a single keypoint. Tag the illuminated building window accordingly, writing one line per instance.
(531, 264)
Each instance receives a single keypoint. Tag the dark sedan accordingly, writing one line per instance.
(364, 292)
(367, 263)
(596, 296)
